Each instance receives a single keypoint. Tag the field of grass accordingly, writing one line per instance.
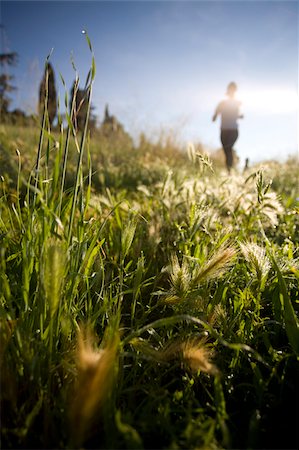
(147, 301)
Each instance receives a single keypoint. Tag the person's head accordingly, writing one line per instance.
(231, 89)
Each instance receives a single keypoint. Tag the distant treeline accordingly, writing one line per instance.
(48, 103)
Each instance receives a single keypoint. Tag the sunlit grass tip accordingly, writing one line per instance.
(216, 265)
(257, 260)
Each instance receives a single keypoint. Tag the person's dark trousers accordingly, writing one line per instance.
(228, 139)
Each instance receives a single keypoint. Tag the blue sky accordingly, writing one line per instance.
(164, 65)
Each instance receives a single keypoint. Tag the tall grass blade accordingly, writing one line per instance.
(79, 166)
(70, 129)
(127, 237)
(290, 318)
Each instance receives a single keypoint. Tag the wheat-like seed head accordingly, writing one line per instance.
(218, 316)
(197, 356)
(194, 353)
(257, 259)
(272, 208)
(53, 263)
(180, 279)
(96, 375)
(183, 278)
(215, 266)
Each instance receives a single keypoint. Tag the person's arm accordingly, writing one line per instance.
(217, 111)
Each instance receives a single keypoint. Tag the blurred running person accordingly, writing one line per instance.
(229, 110)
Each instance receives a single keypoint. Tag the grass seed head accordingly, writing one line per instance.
(218, 316)
(54, 262)
(96, 368)
(257, 260)
(215, 266)
(197, 356)
(272, 208)
(194, 353)
(180, 279)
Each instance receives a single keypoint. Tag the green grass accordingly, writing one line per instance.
(146, 301)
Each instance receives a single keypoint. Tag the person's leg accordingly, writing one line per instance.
(233, 137)
(228, 139)
(229, 157)
(226, 148)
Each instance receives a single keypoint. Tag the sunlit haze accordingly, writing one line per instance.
(165, 65)
(270, 101)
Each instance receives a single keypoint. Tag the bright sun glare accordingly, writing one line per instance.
(270, 101)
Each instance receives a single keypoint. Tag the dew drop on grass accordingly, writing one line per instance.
(83, 32)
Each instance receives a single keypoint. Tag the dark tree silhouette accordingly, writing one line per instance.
(111, 128)
(80, 110)
(6, 59)
(81, 107)
(48, 83)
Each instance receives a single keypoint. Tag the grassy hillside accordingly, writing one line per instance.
(147, 300)
(116, 162)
